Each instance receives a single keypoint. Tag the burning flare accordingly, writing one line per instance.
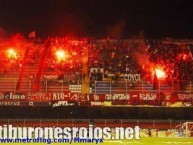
(160, 73)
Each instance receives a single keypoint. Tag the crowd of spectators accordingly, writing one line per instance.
(10, 64)
(12, 54)
(115, 57)
(68, 69)
(118, 57)
(174, 57)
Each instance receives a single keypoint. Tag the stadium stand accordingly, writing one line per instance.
(97, 76)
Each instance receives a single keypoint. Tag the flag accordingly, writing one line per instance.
(32, 34)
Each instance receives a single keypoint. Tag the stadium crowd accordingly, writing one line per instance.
(115, 57)
(174, 58)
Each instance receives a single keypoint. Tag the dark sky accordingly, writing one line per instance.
(99, 18)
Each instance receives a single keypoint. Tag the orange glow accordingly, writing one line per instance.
(61, 55)
(11, 53)
(160, 73)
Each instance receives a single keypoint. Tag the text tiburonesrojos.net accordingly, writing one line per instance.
(91, 132)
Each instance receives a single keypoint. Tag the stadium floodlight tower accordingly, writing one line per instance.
(188, 128)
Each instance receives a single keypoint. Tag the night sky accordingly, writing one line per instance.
(98, 18)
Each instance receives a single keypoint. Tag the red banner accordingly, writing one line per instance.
(131, 98)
